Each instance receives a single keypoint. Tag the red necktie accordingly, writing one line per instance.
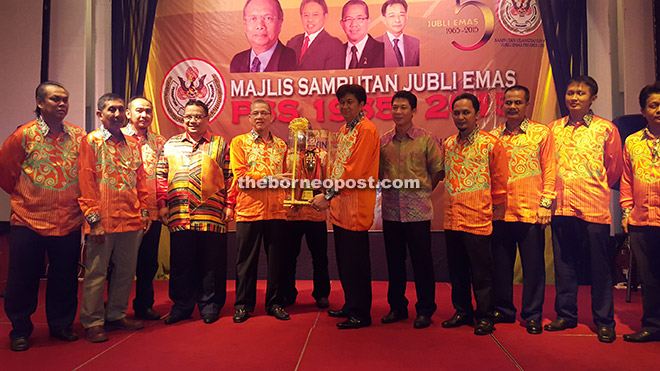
(304, 48)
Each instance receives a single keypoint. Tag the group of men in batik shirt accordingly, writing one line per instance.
(501, 189)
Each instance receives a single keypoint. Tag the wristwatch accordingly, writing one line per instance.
(330, 193)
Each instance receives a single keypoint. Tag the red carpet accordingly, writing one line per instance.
(310, 341)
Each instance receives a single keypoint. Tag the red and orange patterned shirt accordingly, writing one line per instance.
(356, 159)
(640, 182)
(476, 173)
(254, 158)
(589, 162)
(418, 156)
(112, 181)
(151, 145)
(39, 173)
(193, 178)
(530, 151)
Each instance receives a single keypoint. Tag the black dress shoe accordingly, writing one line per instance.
(352, 323)
(322, 303)
(394, 316)
(19, 344)
(174, 318)
(149, 314)
(642, 337)
(534, 327)
(241, 315)
(422, 322)
(606, 334)
(498, 317)
(458, 320)
(484, 327)
(279, 313)
(337, 313)
(65, 334)
(559, 324)
(210, 318)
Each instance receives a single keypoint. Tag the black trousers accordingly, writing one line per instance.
(198, 272)
(147, 266)
(575, 241)
(354, 266)
(470, 263)
(27, 250)
(529, 239)
(249, 236)
(316, 235)
(645, 244)
(417, 237)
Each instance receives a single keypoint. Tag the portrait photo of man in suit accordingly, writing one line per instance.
(263, 22)
(316, 49)
(400, 50)
(361, 50)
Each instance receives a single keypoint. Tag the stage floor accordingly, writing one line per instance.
(310, 340)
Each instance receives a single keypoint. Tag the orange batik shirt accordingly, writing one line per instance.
(640, 182)
(530, 152)
(255, 158)
(476, 173)
(358, 151)
(589, 162)
(151, 147)
(38, 170)
(112, 182)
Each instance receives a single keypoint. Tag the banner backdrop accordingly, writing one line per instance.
(201, 49)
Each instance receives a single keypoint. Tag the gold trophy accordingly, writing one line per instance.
(305, 161)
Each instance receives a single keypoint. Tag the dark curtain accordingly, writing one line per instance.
(132, 25)
(565, 28)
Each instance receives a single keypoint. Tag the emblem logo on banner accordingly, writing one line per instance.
(192, 79)
(519, 17)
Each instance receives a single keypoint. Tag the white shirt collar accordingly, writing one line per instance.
(264, 57)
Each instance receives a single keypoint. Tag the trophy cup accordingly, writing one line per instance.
(306, 161)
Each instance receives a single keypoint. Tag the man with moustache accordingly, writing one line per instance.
(193, 177)
(316, 49)
(263, 22)
(352, 210)
(140, 114)
(259, 156)
(640, 190)
(45, 216)
(530, 191)
(114, 201)
(361, 50)
(589, 162)
(475, 189)
(400, 50)
(409, 152)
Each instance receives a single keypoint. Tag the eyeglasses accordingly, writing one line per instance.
(252, 19)
(260, 113)
(194, 117)
(350, 20)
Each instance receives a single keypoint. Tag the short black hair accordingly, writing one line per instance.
(646, 92)
(587, 80)
(40, 93)
(470, 97)
(357, 90)
(519, 87)
(320, 2)
(410, 97)
(278, 6)
(100, 104)
(270, 109)
(354, 2)
(198, 103)
(392, 2)
(136, 98)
